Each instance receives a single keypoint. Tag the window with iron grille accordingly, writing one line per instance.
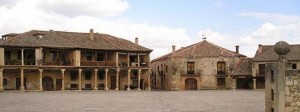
(190, 67)
(221, 68)
(261, 69)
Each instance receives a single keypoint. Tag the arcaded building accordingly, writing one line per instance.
(202, 65)
(57, 60)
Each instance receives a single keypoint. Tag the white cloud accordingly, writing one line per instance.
(273, 17)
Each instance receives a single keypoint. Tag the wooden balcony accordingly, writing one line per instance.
(98, 63)
(13, 62)
(56, 62)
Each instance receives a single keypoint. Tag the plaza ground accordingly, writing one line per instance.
(134, 101)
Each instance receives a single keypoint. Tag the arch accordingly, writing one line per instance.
(47, 84)
(190, 84)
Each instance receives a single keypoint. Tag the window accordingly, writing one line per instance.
(74, 75)
(89, 56)
(88, 86)
(74, 86)
(190, 67)
(294, 66)
(5, 82)
(87, 75)
(166, 68)
(7, 55)
(52, 55)
(101, 75)
(100, 56)
(221, 68)
(261, 69)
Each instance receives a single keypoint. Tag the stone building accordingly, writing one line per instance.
(202, 65)
(282, 85)
(242, 75)
(57, 60)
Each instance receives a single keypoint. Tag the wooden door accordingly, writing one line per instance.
(18, 83)
(190, 84)
(113, 82)
(58, 84)
(47, 84)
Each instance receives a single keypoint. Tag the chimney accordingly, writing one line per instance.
(237, 49)
(91, 34)
(137, 40)
(173, 48)
(259, 48)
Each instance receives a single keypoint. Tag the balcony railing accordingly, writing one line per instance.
(13, 62)
(56, 62)
(98, 63)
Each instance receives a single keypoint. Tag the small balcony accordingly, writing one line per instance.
(98, 63)
(56, 62)
(13, 62)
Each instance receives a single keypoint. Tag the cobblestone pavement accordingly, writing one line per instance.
(134, 101)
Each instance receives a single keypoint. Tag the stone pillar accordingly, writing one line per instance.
(79, 79)
(96, 79)
(22, 56)
(63, 79)
(22, 88)
(139, 63)
(254, 84)
(38, 56)
(128, 80)
(2, 63)
(128, 60)
(106, 72)
(139, 79)
(1, 80)
(117, 79)
(117, 59)
(234, 84)
(41, 79)
(149, 80)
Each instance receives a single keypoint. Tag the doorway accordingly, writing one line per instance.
(47, 84)
(190, 84)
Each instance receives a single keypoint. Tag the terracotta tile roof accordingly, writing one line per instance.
(60, 39)
(267, 53)
(201, 49)
(243, 67)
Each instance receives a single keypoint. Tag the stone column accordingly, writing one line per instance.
(128, 80)
(79, 79)
(22, 88)
(1, 80)
(128, 60)
(96, 79)
(139, 79)
(22, 56)
(117, 79)
(254, 84)
(234, 84)
(149, 80)
(63, 79)
(139, 63)
(41, 79)
(106, 72)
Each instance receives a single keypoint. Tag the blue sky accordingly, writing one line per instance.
(159, 24)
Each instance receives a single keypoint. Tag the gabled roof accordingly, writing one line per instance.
(201, 49)
(243, 67)
(267, 53)
(60, 39)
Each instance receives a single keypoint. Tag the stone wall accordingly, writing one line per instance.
(292, 91)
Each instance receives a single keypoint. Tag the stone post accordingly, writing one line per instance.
(1, 80)
(22, 88)
(22, 57)
(63, 79)
(79, 79)
(96, 79)
(234, 84)
(117, 79)
(254, 84)
(139, 79)
(149, 80)
(106, 72)
(128, 80)
(41, 79)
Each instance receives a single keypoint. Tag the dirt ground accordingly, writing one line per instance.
(134, 101)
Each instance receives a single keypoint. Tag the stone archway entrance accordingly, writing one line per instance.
(47, 84)
(190, 84)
